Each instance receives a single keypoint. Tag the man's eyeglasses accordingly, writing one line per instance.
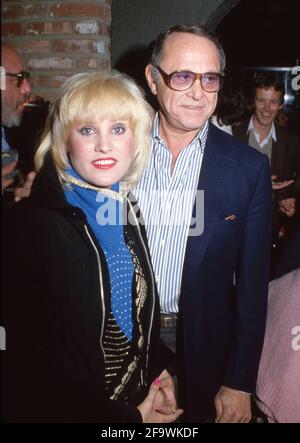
(21, 76)
(183, 80)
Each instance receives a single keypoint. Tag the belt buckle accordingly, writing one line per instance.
(168, 320)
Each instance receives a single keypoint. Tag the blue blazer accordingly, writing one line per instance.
(222, 328)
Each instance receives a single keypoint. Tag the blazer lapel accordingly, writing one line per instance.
(216, 172)
(241, 130)
(278, 151)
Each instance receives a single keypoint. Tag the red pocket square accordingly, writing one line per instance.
(230, 217)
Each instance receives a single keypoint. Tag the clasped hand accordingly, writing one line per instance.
(160, 405)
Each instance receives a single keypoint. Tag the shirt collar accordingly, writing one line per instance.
(201, 135)
(272, 132)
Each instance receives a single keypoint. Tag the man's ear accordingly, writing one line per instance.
(150, 79)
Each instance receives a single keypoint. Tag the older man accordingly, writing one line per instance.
(15, 91)
(218, 332)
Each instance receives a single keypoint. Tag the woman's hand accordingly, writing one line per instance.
(156, 407)
(168, 402)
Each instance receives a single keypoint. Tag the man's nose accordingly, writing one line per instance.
(196, 90)
(25, 87)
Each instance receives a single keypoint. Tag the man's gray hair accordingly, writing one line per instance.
(190, 29)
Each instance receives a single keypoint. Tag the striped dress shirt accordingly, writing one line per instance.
(166, 199)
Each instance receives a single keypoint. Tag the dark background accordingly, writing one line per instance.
(262, 33)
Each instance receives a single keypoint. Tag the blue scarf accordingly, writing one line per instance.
(104, 215)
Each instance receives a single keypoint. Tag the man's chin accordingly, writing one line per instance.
(266, 121)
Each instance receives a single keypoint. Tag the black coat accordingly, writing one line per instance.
(54, 312)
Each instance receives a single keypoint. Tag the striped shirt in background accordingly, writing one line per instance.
(166, 201)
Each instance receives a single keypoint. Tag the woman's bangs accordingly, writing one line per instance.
(105, 102)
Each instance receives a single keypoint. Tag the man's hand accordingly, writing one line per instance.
(232, 406)
(24, 190)
(287, 206)
(149, 408)
(6, 170)
(280, 185)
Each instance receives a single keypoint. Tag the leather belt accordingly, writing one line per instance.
(168, 320)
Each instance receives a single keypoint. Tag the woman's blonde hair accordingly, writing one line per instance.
(87, 96)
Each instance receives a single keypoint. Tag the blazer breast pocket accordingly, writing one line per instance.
(231, 219)
(230, 223)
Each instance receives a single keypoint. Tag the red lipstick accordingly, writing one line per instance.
(104, 163)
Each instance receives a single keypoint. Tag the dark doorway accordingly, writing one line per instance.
(262, 33)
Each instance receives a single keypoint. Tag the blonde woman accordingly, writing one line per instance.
(81, 309)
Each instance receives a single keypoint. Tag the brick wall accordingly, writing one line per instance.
(58, 39)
